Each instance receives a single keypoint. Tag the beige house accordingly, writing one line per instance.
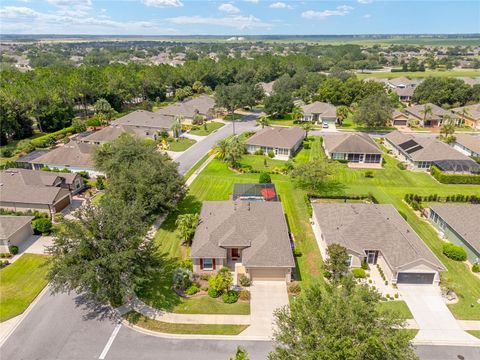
(356, 148)
(399, 119)
(319, 112)
(376, 234)
(248, 237)
(470, 115)
(282, 141)
(203, 105)
(22, 190)
(14, 230)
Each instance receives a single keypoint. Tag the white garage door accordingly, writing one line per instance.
(269, 274)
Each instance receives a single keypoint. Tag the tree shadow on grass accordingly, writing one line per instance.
(189, 205)
(332, 188)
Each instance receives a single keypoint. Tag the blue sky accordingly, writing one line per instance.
(186, 17)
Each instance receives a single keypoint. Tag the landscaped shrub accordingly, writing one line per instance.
(306, 145)
(359, 273)
(244, 295)
(13, 249)
(213, 293)
(182, 278)
(5, 255)
(99, 183)
(6, 152)
(205, 277)
(369, 174)
(4, 263)
(230, 297)
(245, 280)
(58, 217)
(192, 290)
(454, 252)
(453, 178)
(476, 268)
(42, 226)
(294, 288)
(221, 282)
(364, 265)
(401, 166)
(259, 152)
(265, 178)
(50, 139)
(327, 274)
(271, 154)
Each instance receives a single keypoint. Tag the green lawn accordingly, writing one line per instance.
(171, 328)
(180, 144)
(349, 125)
(20, 284)
(419, 74)
(96, 199)
(211, 126)
(475, 333)
(398, 306)
(230, 117)
(12, 146)
(258, 162)
(208, 305)
(196, 166)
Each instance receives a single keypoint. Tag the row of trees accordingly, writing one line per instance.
(447, 91)
(103, 253)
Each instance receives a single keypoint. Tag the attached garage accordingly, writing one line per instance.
(415, 278)
(399, 122)
(62, 204)
(268, 274)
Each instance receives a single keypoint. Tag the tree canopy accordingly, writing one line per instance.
(445, 91)
(374, 111)
(312, 175)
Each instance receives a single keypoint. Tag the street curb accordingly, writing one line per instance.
(443, 343)
(24, 314)
(194, 336)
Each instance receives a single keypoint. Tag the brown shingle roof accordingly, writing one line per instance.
(203, 104)
(146, 119)
(471, 142)
(358, 143)
(280, 137)
(72, 154)
(10, 224)
(318, 107)
(473, 111)
(463, 218)
(260, 227)
(360, 227)
(417, 111)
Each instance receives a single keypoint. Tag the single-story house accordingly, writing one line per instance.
(319, 112)
(358, 148)
(75, 156)
(248, 237)
(434, 119)
(203, 105)
(470, 115)
(282, 141)
(401, 83)
(141, 123)
(399, 118)
(22, 190)
(467, 144)
(468, 80)
(267, 87)
(255, 192)
(405, 94)
(420, 153)
(460, 224)
(14, 230)
(376, 234)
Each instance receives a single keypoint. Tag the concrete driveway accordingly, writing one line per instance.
(436, 322)
(265, 298)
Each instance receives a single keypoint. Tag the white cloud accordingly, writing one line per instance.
(252, 1)
(229, 8)
(163, 3)
(367, 16)
(26, 20)
(280, 5)
(341, 10)
(365, 1)
(238, 21)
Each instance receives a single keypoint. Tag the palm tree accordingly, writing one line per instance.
(464, 113)
(427, 110)
(448, 128)
(177, 126)
(297, 113)
(307, 127)
(186, 226)
(220, 149)
(263, 121)
(234, 151)
(342, 113)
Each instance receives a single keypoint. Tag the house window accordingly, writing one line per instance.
(207, 264)
(350, 260)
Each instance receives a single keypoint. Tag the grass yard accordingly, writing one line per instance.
(180, 144)
(230, 117)
(171, 328)
(258, 162)
(398, 306)
(420, 74)
(208, 305)
(475, 333)
(21, 282)
(196, 166)
(211, 127)
(96, 199)
(349, 125)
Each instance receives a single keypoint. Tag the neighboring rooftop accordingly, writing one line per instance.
(267, 87)
(360, 227)
(143, 118)
(463, 218)
(472, 111)
(322, 108)
(10, 224)
(402, 82)
(418, 111)
(352, 143)
(72, 154)
(471, 142)
(258, 226)
(280, 137)
(189, 108)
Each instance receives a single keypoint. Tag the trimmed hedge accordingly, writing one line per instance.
(50, 139)
(453, 178)
(359, 273)
(454, 252)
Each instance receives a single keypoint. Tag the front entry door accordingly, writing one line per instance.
(235, 253)
(372, 257)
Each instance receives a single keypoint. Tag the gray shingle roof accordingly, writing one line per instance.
(143, 118)
(430, 149)
(357, 143)
(203, 104)
(469, 141)
(267, 87)
(473, 111)
(260, 227)
(463, 218)
(401, 81)
(72, 154)
(21, 186)
(318, 107)
(281, 137)
(437, 111)
(10, 224)
(360, 227)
